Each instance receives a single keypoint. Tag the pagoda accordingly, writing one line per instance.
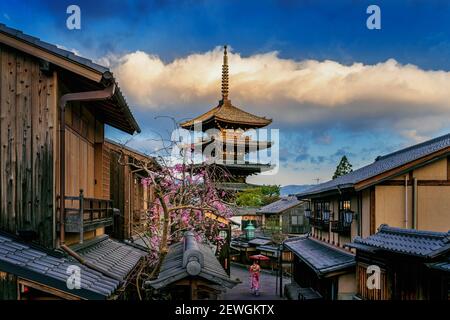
(230, 127)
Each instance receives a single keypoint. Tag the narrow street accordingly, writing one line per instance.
(268, 282)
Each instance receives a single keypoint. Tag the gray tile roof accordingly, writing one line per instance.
(260, 241)
(113, 256)
(381, 165)
(191, 258)
(273, 249)
(322, 258)
(49, 268)
(426, 244)
(52, 48)
(441, 265)
(281, 205)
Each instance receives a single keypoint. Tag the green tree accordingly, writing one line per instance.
(258, 196)
(343, 167)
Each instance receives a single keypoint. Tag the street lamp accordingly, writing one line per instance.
(250, 231)
(326, 215)
(307, 213)
(348, 217)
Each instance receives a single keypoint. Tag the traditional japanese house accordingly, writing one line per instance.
(320, 270)
(286, 216)
(405, 264)
(128, 193)
(226, 127)
(409, 188)
(54, 172)
(190, 271)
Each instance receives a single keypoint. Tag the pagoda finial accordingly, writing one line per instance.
(225, 75)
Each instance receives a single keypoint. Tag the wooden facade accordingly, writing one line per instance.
(34, 76)
(415, 196)
(417, 199)
(129, 195)
(28, 102)
(29, 164)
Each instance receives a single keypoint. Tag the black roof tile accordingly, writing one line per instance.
(174, 269)
(381, 165)
(426, 244)
(48, 267)
(322, 258)
(114, 256)
(281, 205)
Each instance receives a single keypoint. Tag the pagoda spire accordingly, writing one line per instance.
(225, 75)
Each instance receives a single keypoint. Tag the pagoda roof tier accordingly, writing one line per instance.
(249, 144)
(242, 169)
(225, 115)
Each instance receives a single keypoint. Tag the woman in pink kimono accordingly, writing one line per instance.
(255, 270)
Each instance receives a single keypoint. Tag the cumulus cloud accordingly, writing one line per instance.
(412, 101)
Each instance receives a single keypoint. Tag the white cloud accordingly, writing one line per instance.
(412, 101)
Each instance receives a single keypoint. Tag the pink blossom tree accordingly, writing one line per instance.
(185, 196)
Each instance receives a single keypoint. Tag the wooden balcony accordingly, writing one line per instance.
(319, 223)
(340, 227)
(299, 229)
(86, 214)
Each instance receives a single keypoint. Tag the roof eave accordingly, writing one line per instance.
(326, 192)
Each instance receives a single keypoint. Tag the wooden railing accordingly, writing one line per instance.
(85, 214)
(299, 229)
(319, 223)
(340, 227)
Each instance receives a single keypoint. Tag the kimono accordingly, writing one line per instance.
(254, 278)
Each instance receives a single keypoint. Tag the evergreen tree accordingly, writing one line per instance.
(343, 167)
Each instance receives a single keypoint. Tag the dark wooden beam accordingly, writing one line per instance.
(372, 210)
(448, 168)
(401, 183)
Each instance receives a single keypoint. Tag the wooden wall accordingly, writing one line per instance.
(28, 102)
(383, 293)
(128, 194)
(432, 199)
(79, 165)
(8, 286)
(117, 178)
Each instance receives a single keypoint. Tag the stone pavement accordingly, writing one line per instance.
(268, 283)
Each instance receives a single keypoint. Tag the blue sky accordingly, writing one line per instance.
(315, 129)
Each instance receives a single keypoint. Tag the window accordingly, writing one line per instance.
(321, 206)
(295, 220)
(344, 205)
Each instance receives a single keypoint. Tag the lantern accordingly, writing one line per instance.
(307, 213)
(348, 217)
(250, 231)
(326, 215)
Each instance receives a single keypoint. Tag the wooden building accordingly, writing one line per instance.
(285, 216)
(54, 164)
(321, 269)
(190, 271)
(409, 189)
(129, 195)
(411, 265)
